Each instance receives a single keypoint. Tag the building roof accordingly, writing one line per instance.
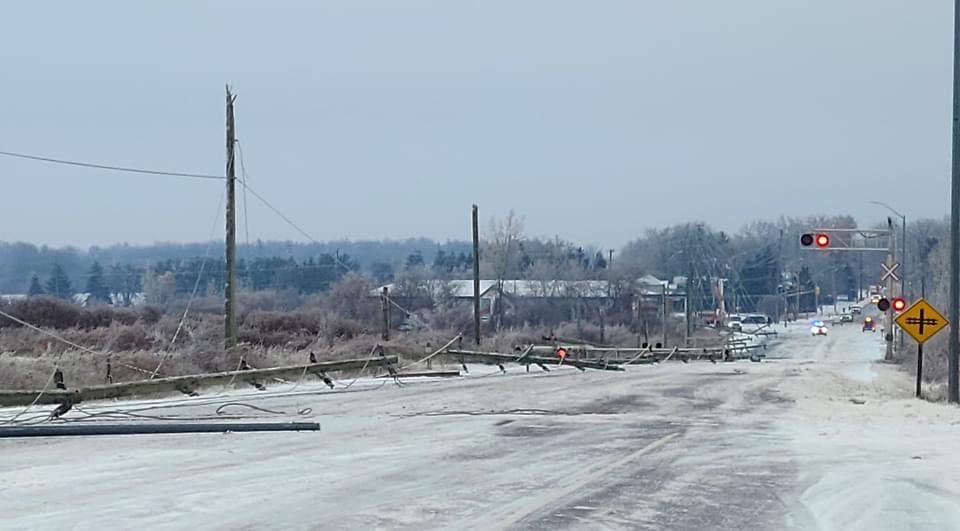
(595, 289)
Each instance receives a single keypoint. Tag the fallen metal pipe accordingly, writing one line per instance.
(150, 429)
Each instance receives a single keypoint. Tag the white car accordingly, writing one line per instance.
(733, 322)
(753, 322)
(818, 329)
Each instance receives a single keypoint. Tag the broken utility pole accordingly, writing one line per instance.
(230, 281)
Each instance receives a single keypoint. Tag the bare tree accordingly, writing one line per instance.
(502, 253)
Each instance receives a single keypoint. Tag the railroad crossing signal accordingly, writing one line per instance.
(899, 304)
(890, 272)
(922, 321)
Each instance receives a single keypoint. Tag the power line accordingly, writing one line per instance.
(289, 221)
(110, 167)
(246, 209)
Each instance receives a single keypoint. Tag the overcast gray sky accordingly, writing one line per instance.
(387, 119)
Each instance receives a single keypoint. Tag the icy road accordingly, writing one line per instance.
(773, 445)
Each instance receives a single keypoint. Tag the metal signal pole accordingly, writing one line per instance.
(230, 284)
(953, 379)
(888, 332)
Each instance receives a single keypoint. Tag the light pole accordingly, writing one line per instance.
(953, 314)
(903, 244)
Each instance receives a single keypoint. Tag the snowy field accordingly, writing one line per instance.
(818, 436)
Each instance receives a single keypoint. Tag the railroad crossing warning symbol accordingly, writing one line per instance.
(889, 271)
(922, 321)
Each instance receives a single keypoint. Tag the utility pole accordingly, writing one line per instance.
(953, 378)
(833, 279)
(903, 259)
(891, 252)
(721, 304)
(780, 274)
(385, 308)
(860, 277)
(476, 275)
(796, 314)
(663, 311)
(230, 281)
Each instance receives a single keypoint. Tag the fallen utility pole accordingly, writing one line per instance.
(152, 429)
(497, 358)
(422, 374)
(733, 345)
(186, 384)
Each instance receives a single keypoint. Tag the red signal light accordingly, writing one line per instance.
(823, 240)
(899, 304)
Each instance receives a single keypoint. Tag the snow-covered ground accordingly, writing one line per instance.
(818, 436)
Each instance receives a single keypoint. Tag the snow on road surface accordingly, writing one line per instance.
(772, 445)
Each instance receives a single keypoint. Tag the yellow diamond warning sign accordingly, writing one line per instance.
(922, 321)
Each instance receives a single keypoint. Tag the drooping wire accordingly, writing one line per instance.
(56, 363)
(246, 210)
(196, 286)
(290, 222)
(110, 167)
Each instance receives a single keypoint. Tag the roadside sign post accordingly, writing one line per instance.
(922, 321)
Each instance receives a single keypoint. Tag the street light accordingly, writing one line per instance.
(903, 244)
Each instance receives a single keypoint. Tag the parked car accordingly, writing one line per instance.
(846, 318)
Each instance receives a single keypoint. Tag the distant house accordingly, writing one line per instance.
(116, 299)
(598, 291)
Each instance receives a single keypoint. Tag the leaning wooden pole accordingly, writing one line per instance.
(230, 280)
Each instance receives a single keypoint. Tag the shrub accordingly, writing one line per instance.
(150, 314)
(46, 312)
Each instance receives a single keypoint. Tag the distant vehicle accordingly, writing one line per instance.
(755, 319)
(874, 299)
(753, 322)
(818, 329)
(734, 322)
(856, 309)
(868, 325)
(846, 318)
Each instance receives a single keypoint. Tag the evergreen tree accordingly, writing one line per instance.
(441, 263)
(599, 262)
(35, 287)
(58, 284)
(415, 260)
(382, 272)
(97, 285)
